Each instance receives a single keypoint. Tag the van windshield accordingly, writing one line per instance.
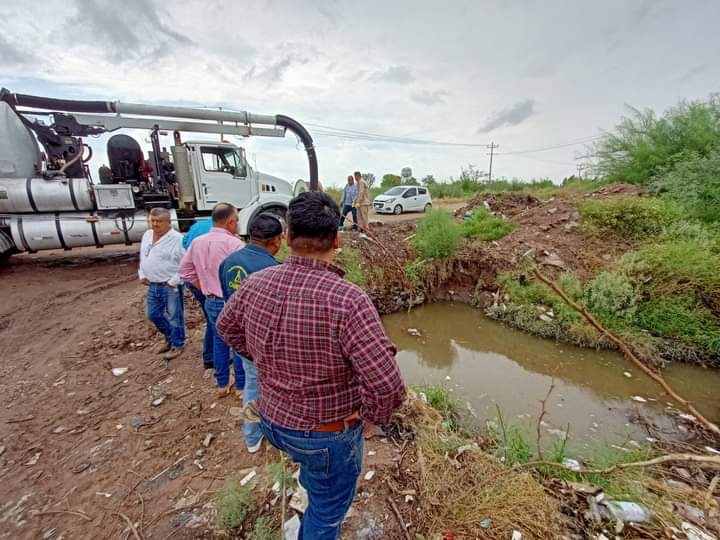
(395, 191)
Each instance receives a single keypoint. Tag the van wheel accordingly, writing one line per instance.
(397, 210)
(428, 207)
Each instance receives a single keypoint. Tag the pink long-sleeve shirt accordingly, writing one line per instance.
(202, 261)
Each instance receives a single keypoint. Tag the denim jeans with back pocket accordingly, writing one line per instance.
(330, 465)
(222, 354)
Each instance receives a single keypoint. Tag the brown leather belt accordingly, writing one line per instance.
(340, 425)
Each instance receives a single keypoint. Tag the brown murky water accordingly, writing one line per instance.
(486, 364)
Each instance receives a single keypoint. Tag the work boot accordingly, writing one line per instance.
(162, 347)
(174, 352)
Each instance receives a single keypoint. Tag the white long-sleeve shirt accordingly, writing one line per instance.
(159, 261)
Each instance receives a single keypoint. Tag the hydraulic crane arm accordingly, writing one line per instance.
(112, 115)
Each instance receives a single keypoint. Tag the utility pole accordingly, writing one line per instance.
(492, 146)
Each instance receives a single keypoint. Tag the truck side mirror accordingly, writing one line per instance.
(241, 171)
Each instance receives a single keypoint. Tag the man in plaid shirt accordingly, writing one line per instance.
(326, 368)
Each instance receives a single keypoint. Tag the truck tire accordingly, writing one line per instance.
(279, 211)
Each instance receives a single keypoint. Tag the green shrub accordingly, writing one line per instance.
(531, 293)
(484, 226)
(680, 266)
(695, 182)
(571, 285)
(437, 235)
(612, 295)
(680, 319)
(633, 217)
(233, 504)
(438, 397)
(351, 261)
(265, 531)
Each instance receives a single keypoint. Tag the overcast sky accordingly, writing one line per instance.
(523, 74)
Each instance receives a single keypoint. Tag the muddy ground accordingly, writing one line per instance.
(81, 448)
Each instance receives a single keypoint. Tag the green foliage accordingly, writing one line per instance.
(484, 226)
(611, 296)
(643, 145)
(522, 291)
(265, 531)
(681, 319)
(414, 271)
(283, 253)
(233, 504)
(350, 260)
(679, 267)
(632, 217)
(694, 182)
(390, 180)
(282, 474)
(571, 285)
(438, 397)
(437, 235)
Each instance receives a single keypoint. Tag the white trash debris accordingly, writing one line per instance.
(103, 494)
(572, 464)
(712, 450)
(157, 402)
(371, 452)
(299, 500)
(516, 535)
(695, 533)
(369, 475)
(249, 476)
(33, 460)
(291, 528)
(208, 439)
(117, 371)
(627, 374)
(629, 511)
(414, 332)
(639, 399)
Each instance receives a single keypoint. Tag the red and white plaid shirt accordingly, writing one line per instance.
(318, 344)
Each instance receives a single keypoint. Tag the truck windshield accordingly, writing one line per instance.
(219, 159)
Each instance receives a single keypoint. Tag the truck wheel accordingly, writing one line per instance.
(397, 210)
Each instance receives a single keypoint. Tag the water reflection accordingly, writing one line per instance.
(491, 364)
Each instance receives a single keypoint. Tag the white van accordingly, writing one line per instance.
(403, 199)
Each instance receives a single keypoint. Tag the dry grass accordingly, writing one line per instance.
(461, 487)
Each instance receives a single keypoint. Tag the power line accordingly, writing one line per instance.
(584, 140)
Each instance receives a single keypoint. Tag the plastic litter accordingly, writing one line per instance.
(695, 533)
(516, 535)
(249, 476)
(639, 399)
(369, 475)
(291, 528)
(485, 523)
(118, 371)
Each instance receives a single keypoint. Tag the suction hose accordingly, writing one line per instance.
(298, 129)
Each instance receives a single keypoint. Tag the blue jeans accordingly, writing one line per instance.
(207, 353)
(347, 208)
(251, 431)
(166, 311)
(221, 352)
(330, 465)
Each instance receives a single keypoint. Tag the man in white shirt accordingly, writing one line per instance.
(161, 251)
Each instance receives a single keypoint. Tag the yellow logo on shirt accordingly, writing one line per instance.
(240, 275)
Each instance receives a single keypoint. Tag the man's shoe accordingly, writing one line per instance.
(224, 392)
(161, 347)
(208, 365)
(174, 352)
(255, 447)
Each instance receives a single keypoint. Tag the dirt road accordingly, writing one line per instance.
(81, 448)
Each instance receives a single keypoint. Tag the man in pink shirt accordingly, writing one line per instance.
(201, 267)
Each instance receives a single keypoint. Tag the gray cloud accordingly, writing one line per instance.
(393, 74)
(274, 71)
(10, 55)
(430, 98)
(130, 30)
(510, 116)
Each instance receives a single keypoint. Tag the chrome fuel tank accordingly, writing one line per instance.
(26, 195)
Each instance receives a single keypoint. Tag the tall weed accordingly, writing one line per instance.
(437, 235)
(632, 217)
(484, 226)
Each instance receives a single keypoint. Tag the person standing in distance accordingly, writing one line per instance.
(362, 202)
(266, 233)
(160, 254)
(201, 267)
(347, 202)
(326, 368)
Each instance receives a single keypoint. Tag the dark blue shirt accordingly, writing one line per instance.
(239, 265)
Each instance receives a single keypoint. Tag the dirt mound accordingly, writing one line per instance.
(508, 204)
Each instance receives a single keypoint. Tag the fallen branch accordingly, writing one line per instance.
(684, 458)
(543, 412)
(711, 490)
(20, 420)
(399, 518)
(629, 354)
(69, 512)
(136, 534)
